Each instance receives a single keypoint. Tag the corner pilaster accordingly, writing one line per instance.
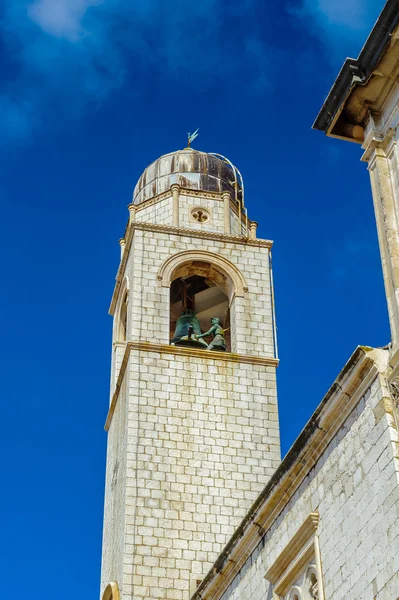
(388, 231)
(176, 193)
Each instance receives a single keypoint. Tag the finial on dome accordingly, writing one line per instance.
(192, 136)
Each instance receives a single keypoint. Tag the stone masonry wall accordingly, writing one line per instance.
(251, 316)
(214, 207)
(161, 213)
(354, 487)
(199, 436)
(115, 494)
(203, 440)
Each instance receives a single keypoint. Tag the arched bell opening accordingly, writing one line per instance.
(121, 328)
(200, 300)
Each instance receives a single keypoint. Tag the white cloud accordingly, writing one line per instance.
(342, 25)
(68, 53)
(61, 18)
(348, 13)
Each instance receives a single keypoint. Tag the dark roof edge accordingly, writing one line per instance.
(357, 71)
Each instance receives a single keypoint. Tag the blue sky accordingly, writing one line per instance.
(92, 91)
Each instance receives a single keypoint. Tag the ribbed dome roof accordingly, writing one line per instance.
(190, 169)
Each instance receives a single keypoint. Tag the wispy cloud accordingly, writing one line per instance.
(64, 54)
(342, 25)
(61, 18)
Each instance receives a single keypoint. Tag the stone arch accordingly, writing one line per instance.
(295, 593)
(111, 592)
(311, 584)
(234, 283)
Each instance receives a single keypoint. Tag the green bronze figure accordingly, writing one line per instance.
(217, 331)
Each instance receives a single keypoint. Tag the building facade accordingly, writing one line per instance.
(198, 503)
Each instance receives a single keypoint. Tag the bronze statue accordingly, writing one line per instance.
(217, 331)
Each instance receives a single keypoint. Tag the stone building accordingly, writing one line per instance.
(198, 503)
(192, 433)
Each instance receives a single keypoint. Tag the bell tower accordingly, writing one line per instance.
(192, 425)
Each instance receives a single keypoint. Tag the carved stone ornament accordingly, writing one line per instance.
(201, 215)
(394, 389)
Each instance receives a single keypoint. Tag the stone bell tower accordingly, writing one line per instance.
(192, 426)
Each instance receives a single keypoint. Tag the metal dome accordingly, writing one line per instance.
(190, 169)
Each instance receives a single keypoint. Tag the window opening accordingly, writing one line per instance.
(199, 314)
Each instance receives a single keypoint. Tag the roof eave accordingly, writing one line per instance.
(356, 72)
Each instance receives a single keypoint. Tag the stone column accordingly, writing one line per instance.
(253, 226)
(388, 230)
(226, 201)
(132, 212)
(122, 243)
(176, 193)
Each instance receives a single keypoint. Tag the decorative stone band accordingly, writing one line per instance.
(210, 235)
(363, 367)
(193, 233)
(180, 351)
(187, 192)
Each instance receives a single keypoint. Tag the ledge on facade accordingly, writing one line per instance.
(351, 384)
(337, 117)
(181, 351)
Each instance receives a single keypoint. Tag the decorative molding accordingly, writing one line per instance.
(151, 201)
(170, 265)
(193, 233)
(197, 233)
(358, 72)
(188, 192)
(111, 592)
(295, 557)
(200, 209)
(182, 192)
(180, 351)
(363, 367)
(201, 194)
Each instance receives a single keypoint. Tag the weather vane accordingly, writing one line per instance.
(192, 136)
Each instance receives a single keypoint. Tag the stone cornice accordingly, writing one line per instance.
(181, 351)
(183, 192)
(357, 72)
(208, 235)
(355, 378)
(377, 142)
(169, 229)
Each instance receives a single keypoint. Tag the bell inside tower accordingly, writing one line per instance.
(199, 313)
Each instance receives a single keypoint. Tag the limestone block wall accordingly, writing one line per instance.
(251, 316)
(115, 494)
(355, 488)
(160, 212)
(203, 439)
(235, 227)
(214, 207)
